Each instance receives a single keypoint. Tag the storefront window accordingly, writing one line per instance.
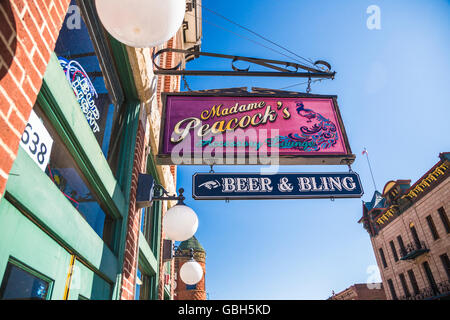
(66, 175)
(81, 62)
(20, 284)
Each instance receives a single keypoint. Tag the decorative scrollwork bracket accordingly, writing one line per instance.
(278, 68)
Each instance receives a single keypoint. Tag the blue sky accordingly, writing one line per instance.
(393, 92)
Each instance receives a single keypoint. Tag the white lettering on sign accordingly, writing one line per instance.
(326, 184)
(246, 184)
(36, 141)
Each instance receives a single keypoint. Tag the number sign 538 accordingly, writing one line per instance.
(36, 141)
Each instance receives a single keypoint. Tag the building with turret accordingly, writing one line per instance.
(410, 233)
(182, 254)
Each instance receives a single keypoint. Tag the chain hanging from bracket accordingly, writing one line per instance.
(308, 88)
(186, 85)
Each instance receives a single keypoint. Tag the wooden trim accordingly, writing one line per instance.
(69, 277)
(35, 195)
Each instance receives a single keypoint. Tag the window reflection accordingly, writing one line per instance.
(80, 62)
(66, 175)
(20, 284)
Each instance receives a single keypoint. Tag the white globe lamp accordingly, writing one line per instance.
(191, 272)
(180, 223)
(141, 23)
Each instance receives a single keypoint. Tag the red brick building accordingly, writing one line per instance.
(182, 290)
(361, 291)
(410, 234)
(28, 33)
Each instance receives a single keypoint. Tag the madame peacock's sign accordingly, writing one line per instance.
(199, 128)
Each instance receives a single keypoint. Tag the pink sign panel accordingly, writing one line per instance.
(294, 127)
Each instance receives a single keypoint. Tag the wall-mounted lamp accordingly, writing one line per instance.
(179, 222)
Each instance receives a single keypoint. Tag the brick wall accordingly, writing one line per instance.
(361, 291)
(28, 33)
(167, 84)
(133, 222)
(180, 291)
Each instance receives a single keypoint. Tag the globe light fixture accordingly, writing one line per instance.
(141, 23)
(191, 271)
(180, 223)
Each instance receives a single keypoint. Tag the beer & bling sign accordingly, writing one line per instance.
(223, 186)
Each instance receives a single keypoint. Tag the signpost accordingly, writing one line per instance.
(223, 128)
(249, 186)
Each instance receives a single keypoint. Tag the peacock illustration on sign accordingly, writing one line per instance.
(321, 133)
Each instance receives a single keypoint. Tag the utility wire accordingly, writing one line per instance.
(244, 37)
(299, 84)
(256, 42)
(258, 35)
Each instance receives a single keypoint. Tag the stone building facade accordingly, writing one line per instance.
(410, 234)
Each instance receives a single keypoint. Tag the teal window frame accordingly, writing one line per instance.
(150, 253)
(58, 102)
(63, 111)
(34, 273)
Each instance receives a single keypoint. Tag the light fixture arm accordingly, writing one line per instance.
(148, 191)
(158, 189)
(179, 253)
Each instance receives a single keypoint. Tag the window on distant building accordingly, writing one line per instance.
(402, 246)
(392, 289)
(383, 258)
(394, 251)
(430, 277)
(404, 285)
(191, 287)
(412, 279)
(446, 263)
(432, 227)
(444, 219)
(415, 235)
(20, 282)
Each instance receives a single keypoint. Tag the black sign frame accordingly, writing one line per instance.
(275, 197)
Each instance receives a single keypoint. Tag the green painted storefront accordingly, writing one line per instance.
(44, 240)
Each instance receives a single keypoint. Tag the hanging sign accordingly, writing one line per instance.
(199, 128)
(247, 186)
